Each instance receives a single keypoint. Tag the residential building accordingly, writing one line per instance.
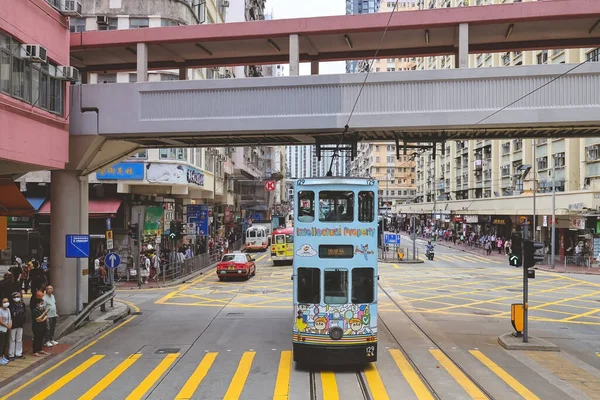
(490, 183)
(356, 7)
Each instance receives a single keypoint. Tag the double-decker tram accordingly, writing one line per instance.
(335, 271)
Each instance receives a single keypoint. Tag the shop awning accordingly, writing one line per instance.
(96, 208)
(12, 201)
(36, 202)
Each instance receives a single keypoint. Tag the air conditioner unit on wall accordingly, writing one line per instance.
(71, 8)
(67, 73)
(34, 53)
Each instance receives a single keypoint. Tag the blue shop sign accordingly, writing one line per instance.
(125, 170)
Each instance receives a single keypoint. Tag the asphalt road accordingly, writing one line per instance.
(232, 340)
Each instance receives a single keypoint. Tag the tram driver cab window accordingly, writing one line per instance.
(336, 206)
(336, 286)
(306, 206)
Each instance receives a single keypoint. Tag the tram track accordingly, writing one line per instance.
(314, 391)
(434, 343)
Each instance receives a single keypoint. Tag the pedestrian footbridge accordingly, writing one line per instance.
(416, 106)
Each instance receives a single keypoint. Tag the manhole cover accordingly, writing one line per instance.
(514, 290)
(235, 314)
(478, 312)
(137, 313)
(167, 351)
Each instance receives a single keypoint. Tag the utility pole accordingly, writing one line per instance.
(139, 248)
(414, 236)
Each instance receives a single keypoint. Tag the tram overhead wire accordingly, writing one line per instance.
(370, 64)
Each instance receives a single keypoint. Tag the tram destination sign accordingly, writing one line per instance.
(336, 251)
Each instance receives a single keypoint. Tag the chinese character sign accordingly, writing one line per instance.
(124, 171)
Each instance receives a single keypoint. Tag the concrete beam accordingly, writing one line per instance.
(294, 55)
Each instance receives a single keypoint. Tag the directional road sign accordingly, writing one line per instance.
(112, 260)
(77, 246)
(391, 238)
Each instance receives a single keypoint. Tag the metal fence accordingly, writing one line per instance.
(180, 269)
(394, 254)
(566, 263)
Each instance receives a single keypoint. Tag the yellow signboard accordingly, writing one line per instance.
(3, 233)
(109, 235)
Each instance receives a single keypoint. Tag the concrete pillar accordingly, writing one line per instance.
(294, 55)
(142, 62)
(462, 42)
(69, 194)
(314, 68)
(183, 74)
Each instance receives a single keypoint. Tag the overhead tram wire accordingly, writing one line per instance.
(527, 94)
(347, 126)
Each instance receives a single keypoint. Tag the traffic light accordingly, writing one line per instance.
(515, 257)
(172, 227)
(530, 255)
(179, 229)
(133, 231)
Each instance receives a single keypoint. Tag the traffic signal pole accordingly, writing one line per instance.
(139, 248)
(525, 297)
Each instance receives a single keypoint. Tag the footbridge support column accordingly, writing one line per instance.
(69, 215)
(294, 55)
(142, 62)
(461, 58)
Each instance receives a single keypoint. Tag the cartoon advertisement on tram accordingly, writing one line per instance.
(353, 319)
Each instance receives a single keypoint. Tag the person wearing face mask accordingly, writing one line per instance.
(5, 325)
(39, 322)
(17, 312)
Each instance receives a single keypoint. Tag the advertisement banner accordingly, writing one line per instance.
(173, 173)
(198, 214)
(471, 219)
(126, 170)
(152, 220)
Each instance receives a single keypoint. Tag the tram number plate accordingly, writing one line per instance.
(370, 351)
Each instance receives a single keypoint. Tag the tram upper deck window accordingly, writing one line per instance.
(335, 205)
(309, 285)
(336, 286)
(306, 206)
(366, 206)
(363, 281)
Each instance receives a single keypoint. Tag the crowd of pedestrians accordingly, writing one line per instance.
(20, 278)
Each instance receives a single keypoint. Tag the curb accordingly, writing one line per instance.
(556, 271)
(403, 262)
(509, 342)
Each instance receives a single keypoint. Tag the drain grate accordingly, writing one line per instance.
(235, 314)
(167, 350)
(137, 313)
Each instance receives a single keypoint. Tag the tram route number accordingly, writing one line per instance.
(370, 351)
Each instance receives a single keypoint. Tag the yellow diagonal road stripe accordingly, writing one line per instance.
(459, 376)
(139, 392)
(330, 389)
(56, 386)
(197, 376)
(241, 374)
(110, 377)
(510, 381)
(282, 384)
(411, 376)
(376, 386)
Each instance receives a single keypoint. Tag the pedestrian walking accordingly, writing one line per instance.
(50, 303)
(5, 325)
(39, 322)
(17, 313)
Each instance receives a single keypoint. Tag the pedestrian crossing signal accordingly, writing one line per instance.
(514, 260)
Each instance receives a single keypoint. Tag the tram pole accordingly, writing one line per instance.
(414, 236)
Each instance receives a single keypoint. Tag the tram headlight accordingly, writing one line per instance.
(336, 333)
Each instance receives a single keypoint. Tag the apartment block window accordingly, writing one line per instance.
(377, 159)
(107, 78)
(377, 69)
(518, 144)
(542, 58)
(169, 22)
(592, 153)
(377, 169)
(136, 23)
(142, 155)
(390, 159)
(542, 162)
(77, 25)
(111, 26)
(559, 160)
(391, 69)
(593, 55)
(33, 83)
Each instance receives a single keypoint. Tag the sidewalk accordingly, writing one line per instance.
(560, 268)
(98, 322)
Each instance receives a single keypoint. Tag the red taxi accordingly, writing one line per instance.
(236, 264)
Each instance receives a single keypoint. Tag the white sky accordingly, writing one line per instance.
(285, 9)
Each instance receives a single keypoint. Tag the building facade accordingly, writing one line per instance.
(357, 7)
(490, 183)
(230, 181)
